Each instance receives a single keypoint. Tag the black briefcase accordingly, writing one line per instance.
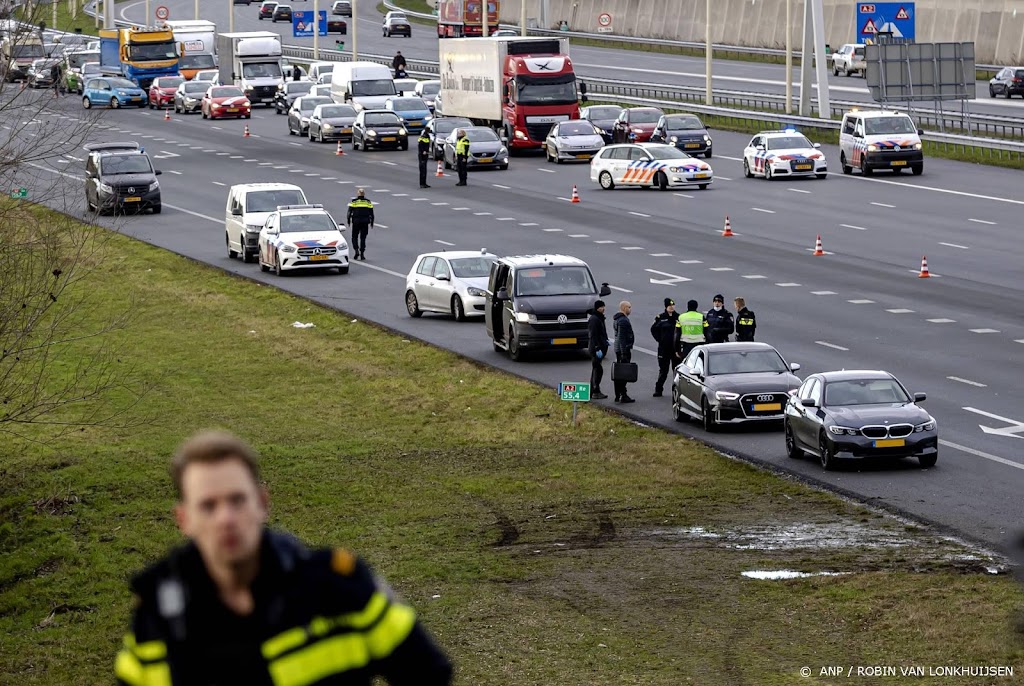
(624, 371)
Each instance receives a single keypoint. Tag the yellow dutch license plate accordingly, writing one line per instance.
(702, 175)
(693, 145)
(232, 109)
(891, 443)
(317, 258)
(348, 130)
(485, 160)
(767, 407)
(388, 139)
(899, 163)
(583, 157)
(133, 198)
(563, 341)
(803, 167)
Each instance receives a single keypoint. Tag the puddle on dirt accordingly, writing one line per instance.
(787, 574)
(795, 536)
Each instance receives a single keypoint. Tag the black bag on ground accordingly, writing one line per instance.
(624, 371)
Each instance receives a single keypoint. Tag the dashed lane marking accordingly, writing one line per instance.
(683, 195)
(661, 254)
(250, 160)
(265, 164)
(414, 199)
(616, 288)
(639, 214)
(498, 185)
(882, 204)
(788, 284)
(297, 145)
(546, 171)
(345, 183)
(381, 190)
(236, 157)
(981, 221)
(443, 242)
(218, 183)
(832, 345)
(797, 190)
(171, 171)
(295, 171)
(721, 269)
(457, 209)
(579, 235)
(851, 226)
(691, 262)
(504, 219)
(758, 209)
(311, 174)
(1018, 340)
(527, 223)
(552, 230)
(900, 310)
(824, 293)
(984, 330)
(482, 214)
(754, 276)
(955, 245)
(723, 178)
(967, 381)
(978, 453)
(561, 198)
(631, 247)
(390, 164)
(861, 302)
(222, 154)
(942, 320)
(335, 178)
(438, 204)
(606, 242)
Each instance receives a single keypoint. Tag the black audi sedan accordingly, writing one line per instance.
(859, 414)
(732, 383)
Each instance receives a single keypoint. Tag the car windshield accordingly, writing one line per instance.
(169, 82)
(430, 89)
(568, 280)
(745, 362)
(644, 116)
(309, 104)
(29, 51)
(880, 125)
(446, 126)
(125, 164)
(39, 65)
(206, 76)
(668, 153)
(397, 16)
(472, 267)
(91, 68)
(77, 59)
(296, 223)
(865, 392)
(337, 111)
(151, 52)
(407, 104)
(604, 112)
(1019, 74)
(262, 70)
(788, 142)
(268, 201)
(373, 87)
(576, 128)
(547, 90)
(382, 119)
(193, 87)
(121, 83)
(196, 61)
(481, 135)
(226, 92)
(683, 122)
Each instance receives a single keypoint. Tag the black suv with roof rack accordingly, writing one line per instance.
(120, 176)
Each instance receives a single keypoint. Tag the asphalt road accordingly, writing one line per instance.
(958, 337)
(625, 65)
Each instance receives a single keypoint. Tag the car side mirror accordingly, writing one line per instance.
(348, 96)
(502, 294)
(236, 212)
(920, 397)
(604, 290)
(794, 366)
(920, 132)
(817, 145)
(158, 172)
(443, 277)
(858, 134)
(273, 232)
(758, 147)
(808, 402)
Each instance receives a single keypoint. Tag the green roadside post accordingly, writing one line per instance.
(575, 392)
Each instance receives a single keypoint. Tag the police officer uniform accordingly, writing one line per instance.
(360, 218)
(689, 329)
(319, 617)
(663, 330)
(718, 324)
(423, 149)
(462, 157)
(746, 324)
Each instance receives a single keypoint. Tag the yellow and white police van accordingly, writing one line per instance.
(880, 139)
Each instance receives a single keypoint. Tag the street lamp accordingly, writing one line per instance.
(707, 57)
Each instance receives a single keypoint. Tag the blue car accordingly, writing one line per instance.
(112, 91)
(413, 111)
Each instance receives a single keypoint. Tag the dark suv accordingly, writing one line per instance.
(120, 176)
(540, 302)
(1009, 82)
(282, 13)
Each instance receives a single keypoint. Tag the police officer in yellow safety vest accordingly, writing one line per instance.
(689, 329)
(423, 150)
(746, 322)
(461, 156)
(242, 604)
(360, 219)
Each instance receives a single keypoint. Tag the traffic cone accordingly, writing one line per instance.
(246, 133)
(575, 194)
(167, 115)
(728, 228)
(339, 151)
(924, 269)
(440, 169)
(817, 247)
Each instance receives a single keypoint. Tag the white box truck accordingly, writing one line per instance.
(197, 40)
(365, 85)
(251, 60)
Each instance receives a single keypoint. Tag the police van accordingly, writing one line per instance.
(880, 139)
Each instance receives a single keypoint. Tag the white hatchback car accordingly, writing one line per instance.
(302, 237)
(648, 164)
(449, 282)
(776, 154)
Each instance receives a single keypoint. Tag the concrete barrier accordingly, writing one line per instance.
(995, 26)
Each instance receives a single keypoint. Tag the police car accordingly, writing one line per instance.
(648, 164)
(302, 237)
(880, 139)
(786, 153)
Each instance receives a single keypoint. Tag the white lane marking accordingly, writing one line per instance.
(208, 150)
(639, 214)
(631, 247)
(342, 183)
(297, 145)
(683, 195)
(933, 274)
(171, 171)
(1018, 340)
(414, 199)
(552, 230)
(981, 221)
(832, 253)
(498, 185)
(504, 219)
(527, 223)
(390, 164)
(604, 242)
(152, 136)
(265, 164)
(882, 204)
(967, 381)
(222, 154)
(861, 302)
(383, 226)
(381, 190)
(459, 209)
(984, 330)
(787, 284)
(616, 288)
(443, 242)
(661, 254)
(381, 269)
(250, 160)
(978, 453)
(547, 171)
(900, 310)
(558, 197)
(236, 157)
(977, 196)
(758, 209)
(579, 235)
(942, 320)
(396, 195)
(645, 351)
(832, 345)
(669, 280)
(481, 214)
(691, 262)
(311, 174)
(721, 269)
(823, 293)
(754, 276)
(295, 171)
(793, 190)
(329, 178)
(954, 245)
(851, 226)
(218, 183)
(723, 178)
(439, 204)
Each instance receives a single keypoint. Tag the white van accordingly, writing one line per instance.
(365, 85)
(248, 206)
(317, 69)
(880, 139)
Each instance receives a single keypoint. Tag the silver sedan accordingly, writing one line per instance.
(576, 139)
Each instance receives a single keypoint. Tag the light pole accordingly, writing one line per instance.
(146, 23)
(486, 6)
(789, 56)
(231, 16)
(707, 57)
(53, 19)
(522, 19)
(108, 14)
(316, 30)
(197, 11)
(355, 23)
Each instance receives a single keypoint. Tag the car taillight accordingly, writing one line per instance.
(1016, 79)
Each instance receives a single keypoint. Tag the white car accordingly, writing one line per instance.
(776, 154)
(577, 140)
(210, 75)
(246, 212)
(452, 283)
(648, 164)
(302, 237)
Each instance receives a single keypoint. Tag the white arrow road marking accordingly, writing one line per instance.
(1012, 430)
(670, 280)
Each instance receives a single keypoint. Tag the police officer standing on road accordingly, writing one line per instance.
(664, 332)
(689, 330)
(240, 603)
(746, 322)
(718, 322)
(360, 218)
(461, 156)
(598, 348)
(423, 149)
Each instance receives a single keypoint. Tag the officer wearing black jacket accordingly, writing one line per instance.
(746, 322)
(718, 322)
(664, 330)
(598, 348)
(423, 150)
(360, 218)
(241, 604)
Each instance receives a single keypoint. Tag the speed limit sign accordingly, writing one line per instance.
(162, 12)
(604, 19)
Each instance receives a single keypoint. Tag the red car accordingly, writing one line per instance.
(636, 124)
(225, 101)
(161, 92)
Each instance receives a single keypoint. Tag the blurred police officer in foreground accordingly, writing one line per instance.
(242, 604)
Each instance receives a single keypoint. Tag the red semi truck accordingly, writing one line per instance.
(464, 18)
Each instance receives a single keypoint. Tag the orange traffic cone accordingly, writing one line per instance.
(246, 133)
(817, 247)
(440, 169)
(167, 115)
(924, 269)
(575, 194)
(339, 152)
(728, 228)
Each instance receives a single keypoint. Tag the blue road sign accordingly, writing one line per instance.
(302, 24)
(884, 17)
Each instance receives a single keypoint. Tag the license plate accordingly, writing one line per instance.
(767, 407)
(388, 139)
(134, 198)
(563, 341)
(583, 157)
(899, 163)
(702, 175)
(891, 443)
(692, 145)
(232, 109)
(346, 130)
(485, 160)
(317, 258)
(804, 167)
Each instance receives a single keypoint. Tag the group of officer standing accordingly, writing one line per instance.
(425, 149)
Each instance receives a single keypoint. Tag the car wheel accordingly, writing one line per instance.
(277, 266)
(157, 209)
(320, 136)
(865, 169)
(702, 187)
(515, 352)
(247, 257)
(707, 155)
(86, 103)
(828, 459)
(115, 103)
(605, 179)
(917, 169)
(263, 266)
(355, 144)
(290, 131)
(991, 93)
(847, 169)
(746, 169)
(792, 451)
(661, 181)
(768, 176)
(248, 116)
(928, 461)
(707, 416)
(458, 309)
(503, 167)
(835, 70)
(231, 253)
(412, 305)
(677, 413)
(821, 177)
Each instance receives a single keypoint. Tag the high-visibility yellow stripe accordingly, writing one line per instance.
(393, 628)
(321, 626)
(322, 659)
(129, 669)
(147, 651)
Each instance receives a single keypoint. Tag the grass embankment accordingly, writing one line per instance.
(44, 13)
(413, 6)
(538, 554)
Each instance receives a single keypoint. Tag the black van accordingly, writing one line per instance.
(119, 177)
(540, 302)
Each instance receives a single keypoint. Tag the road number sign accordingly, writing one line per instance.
(574, 391)
(162, 12)
(604, 19)
(867, 9)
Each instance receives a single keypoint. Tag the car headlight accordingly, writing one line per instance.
(674, 139)
(402, 132)
(371, 133)
(253, 228)
(154, 186)
(707, 139)
(502, 151)
(872, 148)
(726, 395)
(477, 292)
(520, 135)
(522, 317)
(327, 127)
(917, 146)
(106, 188)
(247, 89)
(342, 245)
(288, 248)
(927, 426)
(215, 105)
(843, 431)
(190, 101)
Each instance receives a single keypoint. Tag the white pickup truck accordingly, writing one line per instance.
(849, 59)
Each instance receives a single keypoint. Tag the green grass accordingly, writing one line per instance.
(413, 6)
(44, 13)
(536, 552)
